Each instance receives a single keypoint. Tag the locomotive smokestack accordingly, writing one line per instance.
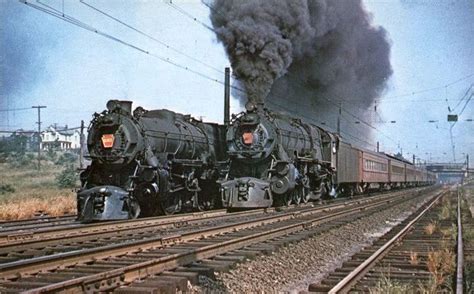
(122, 105)
(227, 97)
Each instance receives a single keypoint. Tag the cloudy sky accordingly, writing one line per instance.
(174, 61)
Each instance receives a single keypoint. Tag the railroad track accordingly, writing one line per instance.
(418, 255)
(25, 246)
(105, 268)
(36, 229)
(35, 223)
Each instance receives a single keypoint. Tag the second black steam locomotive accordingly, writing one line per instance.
(149, 162)
(275, 158)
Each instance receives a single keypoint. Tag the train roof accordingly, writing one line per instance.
(399, 158)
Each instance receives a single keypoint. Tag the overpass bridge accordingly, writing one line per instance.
(449, 172)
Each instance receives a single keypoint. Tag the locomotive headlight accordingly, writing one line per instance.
(108, 140)
(247, 138)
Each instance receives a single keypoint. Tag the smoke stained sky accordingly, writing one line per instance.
(74, 72)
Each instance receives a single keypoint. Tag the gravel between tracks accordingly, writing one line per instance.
(294, 267)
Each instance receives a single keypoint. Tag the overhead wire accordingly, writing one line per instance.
(321, 124)
(58, 14)
(14, 109)
(464, 96)
(149, 36)
(335, 104)
(431, 89)
(187, 14)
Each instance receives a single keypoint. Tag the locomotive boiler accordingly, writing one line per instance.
(276, 159)
(149, 162)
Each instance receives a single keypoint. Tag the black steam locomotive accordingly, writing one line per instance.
(277, 159)
(149, 162)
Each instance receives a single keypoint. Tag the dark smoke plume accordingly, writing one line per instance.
(306, 50)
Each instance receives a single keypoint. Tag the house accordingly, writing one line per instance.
(60, 138)
(25, 140)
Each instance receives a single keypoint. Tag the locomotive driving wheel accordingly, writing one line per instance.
(303, 190)
(285, 199)
(296, 196)
(134, 209)
(205, 203)
(171, 204)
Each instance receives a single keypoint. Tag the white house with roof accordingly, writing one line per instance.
(61, 138)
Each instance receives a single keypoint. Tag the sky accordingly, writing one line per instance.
(45, 60)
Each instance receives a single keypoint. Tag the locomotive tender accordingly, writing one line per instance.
(149, 162)
(275, 158)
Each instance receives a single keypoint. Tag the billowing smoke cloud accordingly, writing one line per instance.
(311, 50)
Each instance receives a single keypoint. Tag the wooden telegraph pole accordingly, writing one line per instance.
(81, 152)
(39, 133)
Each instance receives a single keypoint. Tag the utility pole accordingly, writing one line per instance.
(227, 97)
(39, 133)
(81, 150)
(467, 165)
(339, 119)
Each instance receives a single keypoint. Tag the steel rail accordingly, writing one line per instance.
(460, 253)
(11, 225)
(139, 270)
(353, 277)
(35, 219)
(23, 237)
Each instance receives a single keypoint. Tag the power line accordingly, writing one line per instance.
(187, 14)
(301, 84)
(54, 12)
(212, 8)
(150, 36)
(464, 96)
(18, 132)
(432, 89)
(14, 109)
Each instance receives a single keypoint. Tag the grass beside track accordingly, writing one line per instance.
(468, 236)
(28, 191)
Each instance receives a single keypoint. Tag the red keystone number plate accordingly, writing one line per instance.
(108, 140)
(248, 138)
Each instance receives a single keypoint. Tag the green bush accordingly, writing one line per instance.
(66, 158)
(20, 159)
(67, 178)
(51, 154)
(4, 157)
(6, 188)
